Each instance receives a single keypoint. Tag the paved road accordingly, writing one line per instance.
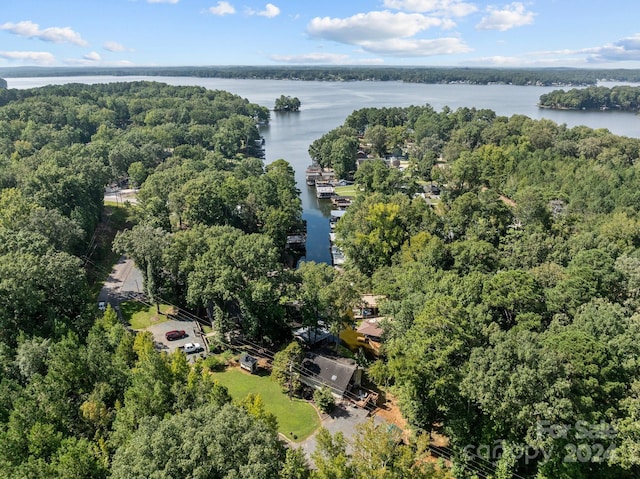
(120, 195)
(124, 283)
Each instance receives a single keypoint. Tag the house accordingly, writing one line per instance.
(368, 307)
(339, 375)
(313, 336)
(367, 335)
(248, 362)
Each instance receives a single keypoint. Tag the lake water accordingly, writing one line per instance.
(325, 105)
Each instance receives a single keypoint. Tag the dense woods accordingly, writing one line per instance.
(511, 304)
(512, 296)
(625, 98)
(79, 392)
(476, 76)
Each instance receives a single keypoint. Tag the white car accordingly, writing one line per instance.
(102, 306)
(192, 348)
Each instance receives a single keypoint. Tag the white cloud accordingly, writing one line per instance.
(324, 59)
(92, 57)
(221, 9)
(86, 60)
(447, 8)
(39, 58)
(627, 49)
(511, 16)
(533, 60)
(29, 29)
(319, 58)
(610, 55)
(399, 47)
(115, 47)
(270, 11)
(373, 26)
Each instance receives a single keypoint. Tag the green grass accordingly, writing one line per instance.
(346, 190)
(140, 316)
(294, 415)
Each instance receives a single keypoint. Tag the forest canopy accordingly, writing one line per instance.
(512, 296)
(623, 97)
(510, 300)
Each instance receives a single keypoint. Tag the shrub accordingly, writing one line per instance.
(324, 399)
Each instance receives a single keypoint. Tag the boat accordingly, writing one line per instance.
(312, 173)
(324, 191)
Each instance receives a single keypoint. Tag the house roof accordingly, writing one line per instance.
(322, 370)
(370, 327)
(371, 300)
(247, 359)
(311, 336)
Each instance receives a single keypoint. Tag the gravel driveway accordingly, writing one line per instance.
(344, 419)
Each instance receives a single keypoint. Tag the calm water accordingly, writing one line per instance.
(325, 105)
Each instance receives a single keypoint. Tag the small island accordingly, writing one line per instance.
(622, 98)
(287, 103)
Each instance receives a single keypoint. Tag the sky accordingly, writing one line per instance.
(536, 33)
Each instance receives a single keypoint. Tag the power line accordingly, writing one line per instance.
(475, 463)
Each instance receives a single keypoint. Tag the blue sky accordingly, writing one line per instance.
(536, 33)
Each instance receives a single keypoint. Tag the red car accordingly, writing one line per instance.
(175, 334)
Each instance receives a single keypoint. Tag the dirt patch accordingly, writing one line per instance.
(390, 412)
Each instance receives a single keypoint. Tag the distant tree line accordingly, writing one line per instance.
(625, 98)
(476, 76)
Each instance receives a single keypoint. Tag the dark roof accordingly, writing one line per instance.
(311, 336)
(321, 370)
(248, 360)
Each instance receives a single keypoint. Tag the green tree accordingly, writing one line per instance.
(205, 442)
(287, 103)
(295, 465)
(330, 457)
(324, 399)
(285, 365)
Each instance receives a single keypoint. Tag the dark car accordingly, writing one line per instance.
(173, 335)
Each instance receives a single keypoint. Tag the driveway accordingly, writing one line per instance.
(344, 419)
(189, 327)
(121, 195)
(124, 283)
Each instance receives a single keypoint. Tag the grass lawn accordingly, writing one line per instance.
(294, 415)
(140, 316)
(346, 190)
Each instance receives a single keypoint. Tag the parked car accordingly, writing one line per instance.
(175, 334)
(193, 348)
(102, 306)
